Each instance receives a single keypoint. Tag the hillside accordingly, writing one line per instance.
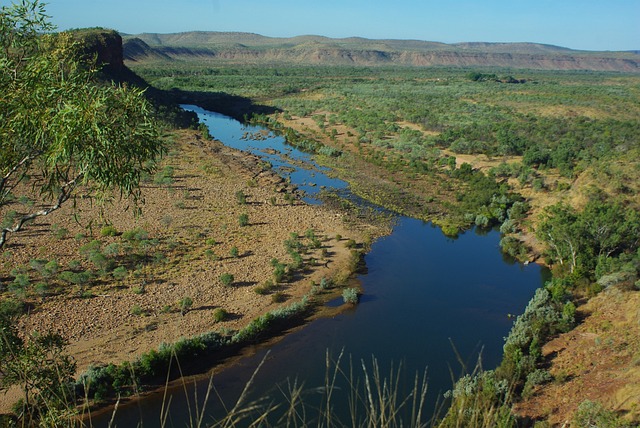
(318, 50)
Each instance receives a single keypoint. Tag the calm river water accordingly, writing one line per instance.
(423, 294)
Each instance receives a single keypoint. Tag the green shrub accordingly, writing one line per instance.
(220, 315)
(280, 273)
(136, 310)
(185, 305)
(210, 254)
(593, 414)
(138, 289)
(164, 177)
(38, 264)
(261, 290)
(89, 248)
(19, 285)
(59, 232)
(350, 296)
(41, 288)
(234, 252)
(108, 231)
(100, 261)
(113, 249)
(136, 234)
(243, 219)
(50, 269)
(120, 273)
(11, 308)
(226, 279)
(297, 260)
(478, 400)
(278, 297)
(74, 264)
(535, 378)
(241, 197)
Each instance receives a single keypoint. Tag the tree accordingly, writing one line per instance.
(39, 366)
(561, 230)
(61, 129)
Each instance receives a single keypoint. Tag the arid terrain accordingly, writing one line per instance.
(598, 361)
(192, 222)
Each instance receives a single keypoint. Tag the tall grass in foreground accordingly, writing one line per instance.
(352, 395)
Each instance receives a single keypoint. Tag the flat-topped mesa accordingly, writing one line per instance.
(247, 47)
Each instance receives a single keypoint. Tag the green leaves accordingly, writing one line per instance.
(61, 127)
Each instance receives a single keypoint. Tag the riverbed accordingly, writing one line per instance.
(428, 302)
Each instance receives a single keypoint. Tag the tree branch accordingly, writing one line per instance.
(5, 179)
(65, 193)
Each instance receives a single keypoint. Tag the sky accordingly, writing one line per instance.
(576, 24)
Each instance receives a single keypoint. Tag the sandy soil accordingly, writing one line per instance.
(195, 222)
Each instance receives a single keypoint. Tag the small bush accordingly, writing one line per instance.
(136, 234)
(108, 231)
(74, 265)
(112, 249)
(261, 290)
(210, 254)
(120, 273)
(50, 269)
(166, 220)
(593, 414)
(38, 264)
(241, 197)
(537, 377)
(136, 310)
(278, 297)
(350, 296)
(280, 273)
(234, 252)
(220, 315)
(11, 308)
(138, 289)
(325, 283)
(42, 289)
(59, 232)
(243, 220)
(91, 247)
(164, 177)
(226, 279)
(185, 304)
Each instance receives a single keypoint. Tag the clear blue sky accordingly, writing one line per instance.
(577, 24)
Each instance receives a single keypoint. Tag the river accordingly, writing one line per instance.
(429, 302)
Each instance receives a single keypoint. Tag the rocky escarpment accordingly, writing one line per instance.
(105, 46)
(240, 47)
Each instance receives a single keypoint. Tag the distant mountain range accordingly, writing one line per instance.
(316, 50)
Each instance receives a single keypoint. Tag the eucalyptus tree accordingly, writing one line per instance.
(61, 128)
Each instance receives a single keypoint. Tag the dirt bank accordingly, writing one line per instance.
(194, 236)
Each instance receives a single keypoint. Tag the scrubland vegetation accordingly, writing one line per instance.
(551, 158)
